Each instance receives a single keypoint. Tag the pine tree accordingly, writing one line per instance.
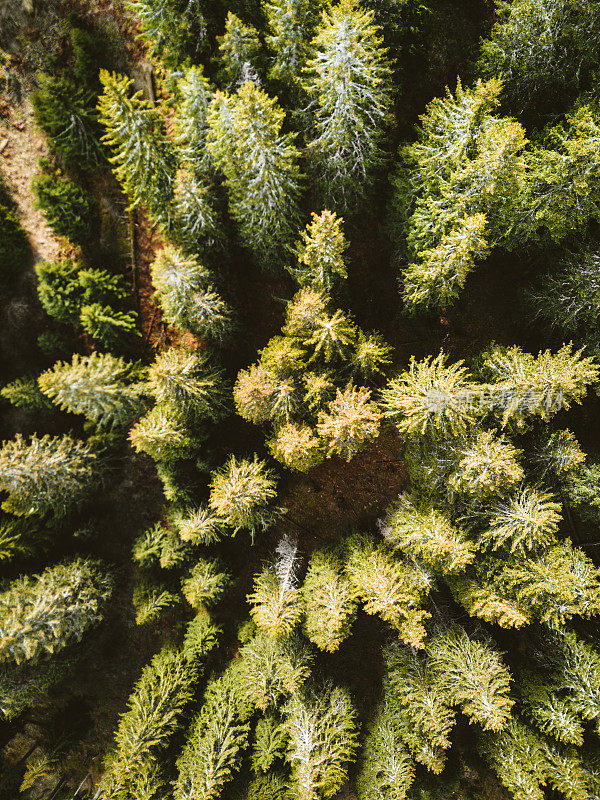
(163, 434)
(291, 25)
(260, 165)
(473, 676)
(370, 354)
(348, 81)
(526, 385)
(321, 253)
(199, 525)
(190, 122)
(351, 421)
(269, 743)
(524, 521)
(214, 745)
(296, 446)
(205, 583)
(240, 494)
(387, 771)
(303, 311)
(322, 740)
(427, 534)
(557, 455)
(186, 295)
(143, 159)
(329, 601)
(25, 393)
(185, 380)
(51, 474)
(106, 389)
(276, 602)
(154, 714)
(389, 588)
(272, 669)
(431, 397)
(239, 49)
(46, 613)
(173, 28)
(105, 324)
(542, 51)
(331, 337)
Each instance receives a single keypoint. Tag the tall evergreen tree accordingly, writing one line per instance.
(276, 602)
(260, 165)
(329, 601)
(241, 493)
(106, 389)
(239, 49)
(47, 474)
(291, 25)
(350, 422)
(348, 81)
(174, 29)
(142, 157)
(272, 669)
(321, 252)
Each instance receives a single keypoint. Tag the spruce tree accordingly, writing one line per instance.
(106, 389)
(329, 601)
(174, 29)
(370, 354)
(241, 493)
(47, 474)
(276, 602)
(523, 521)
(486, 466)
(348, 82)
(322, 740)
(260, 165)
(350, 422)
(272, 669)
(239, 50)
(142, 159)
(321, 253)
(332, 337)
(296, 446)
(107, 325)
(133, 768)
(164, 435)
(291, 25)
(186, 295)
(190, 121)
(205, 583)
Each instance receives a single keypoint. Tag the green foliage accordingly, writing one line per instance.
(174, 29)
(583, 492)
(294, 444)
(148, 547)
(190, 122)
(269, 743)
(322, 740)
(145, 730)
(558, 455)
(163, 434)
(524, 521)
(472, 676)
(198, 526)
(187, 297)
(214, 745)
(241, 493)
(270, 670)
(47, 612)
(18, 537)
(348, 82)
(389, 588)
(201, 636)
(290, 26)
(47, 474)
(276, 602)
(517, 756)
(260, 166)
(427, 534)
(321, 252)
(351, 421)
(543, 51)
(105, 389)
(184, 380)
(106, 324)
(370, 354)
(142, 159)
(67, 208)
(239, 49)
(14, 247)
(151, 599)
(329, 601)
(205, 584)
(25, 393)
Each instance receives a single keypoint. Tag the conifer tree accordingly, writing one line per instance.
(143, 159)
(197, 525)
(329, 601)
(302, 312)
(486, 466)
(163, 434)
(348, 82)
(152, 599)
(190, 121)
(427, 534)
(105, 324)
(321, 252)
(557, 455)
(322, 740)
(332, 337)
(165, 688)
(269, 744)
(186, 295)
(370, 354)
(260, 165)
(517, 756)
(173, 28)
(205, 583)
(389, 588)
(291, 25)
(241, 492)
(582, 491)
(431, 397)
(25, 393)
(524, 521)
(350, 422)
(483, 595)
(272, 669)
(214, 745)
(106, 389)
(195, 224)
(47, 474)
(276, 602)
(239, 49)
(45, 613)
(184, 380)
(296, 446)
(473, 676)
